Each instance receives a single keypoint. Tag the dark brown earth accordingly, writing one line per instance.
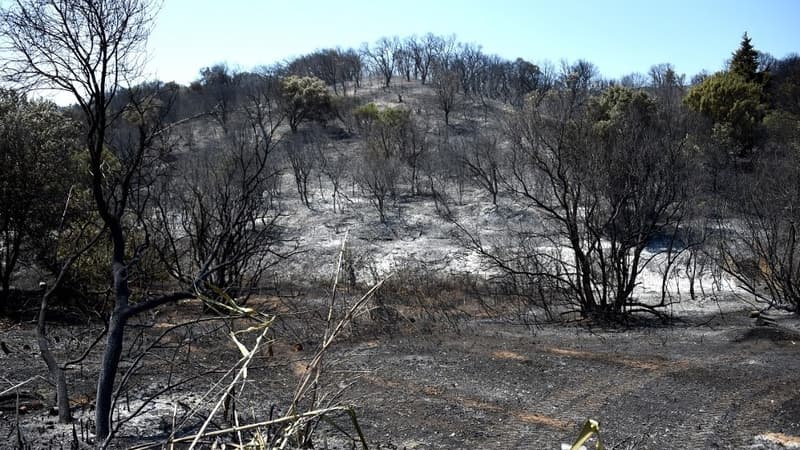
(668, 388)
(707, 381)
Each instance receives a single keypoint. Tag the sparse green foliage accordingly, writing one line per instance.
(304, 98)
(385, 130)
(616, 104)
(585, 175)
(368, 112)
(388, 137)
(37, 144)
(388, 117)
(607, 173)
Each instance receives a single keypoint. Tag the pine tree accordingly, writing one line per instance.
(745, 60)
(735, 99)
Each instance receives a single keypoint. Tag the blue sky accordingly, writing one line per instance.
(618, 36)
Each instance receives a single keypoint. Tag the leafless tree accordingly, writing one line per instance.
(442, 169)
(304, 151)
(606, 173)
(634, 80)
(322, 64)
(336, 67)
(213, 211)
(468, 63)
(334, 165)
(446, 84)
(58, 370)
(383, 57)
(437, 169)
(758, 240)
(413, 45)
(415, 147)
(405, 61)
(378, 175)
(667, 85)
(425, 51)
(483, 158)
(352, 68)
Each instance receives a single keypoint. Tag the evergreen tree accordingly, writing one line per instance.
(745, 60)
(735, 100)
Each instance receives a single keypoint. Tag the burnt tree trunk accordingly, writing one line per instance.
(56, 371)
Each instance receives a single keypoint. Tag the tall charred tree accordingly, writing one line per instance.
(88, 49)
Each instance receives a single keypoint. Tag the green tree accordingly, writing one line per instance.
(735, 100)
(388, 134)
(745, 61)
(36, 147)
(734, 104)
(304, 98)
(384, 129)
(88, 49)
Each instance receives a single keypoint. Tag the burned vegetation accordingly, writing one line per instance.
(412, 244)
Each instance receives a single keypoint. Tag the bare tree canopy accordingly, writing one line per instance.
(84, 47)
(90, 48)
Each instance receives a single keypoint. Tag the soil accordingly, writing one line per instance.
(425, 375)
(705, 381)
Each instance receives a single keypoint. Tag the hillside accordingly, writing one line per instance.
(415, 244)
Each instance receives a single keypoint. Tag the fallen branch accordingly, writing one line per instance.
(251, 426)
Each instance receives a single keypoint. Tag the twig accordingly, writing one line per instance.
(17, 386)
(241, 373)
(251, 426)
(88, 350)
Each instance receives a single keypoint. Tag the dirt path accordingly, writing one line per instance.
(688, 387)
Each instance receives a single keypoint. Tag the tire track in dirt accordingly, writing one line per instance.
(650, 363)
(439, 393)
(594, 393)
(570, 399)
(724, 419)
(688, 394)
(654, 376)
(634, 374)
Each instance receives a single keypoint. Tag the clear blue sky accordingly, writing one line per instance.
(618, 36)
